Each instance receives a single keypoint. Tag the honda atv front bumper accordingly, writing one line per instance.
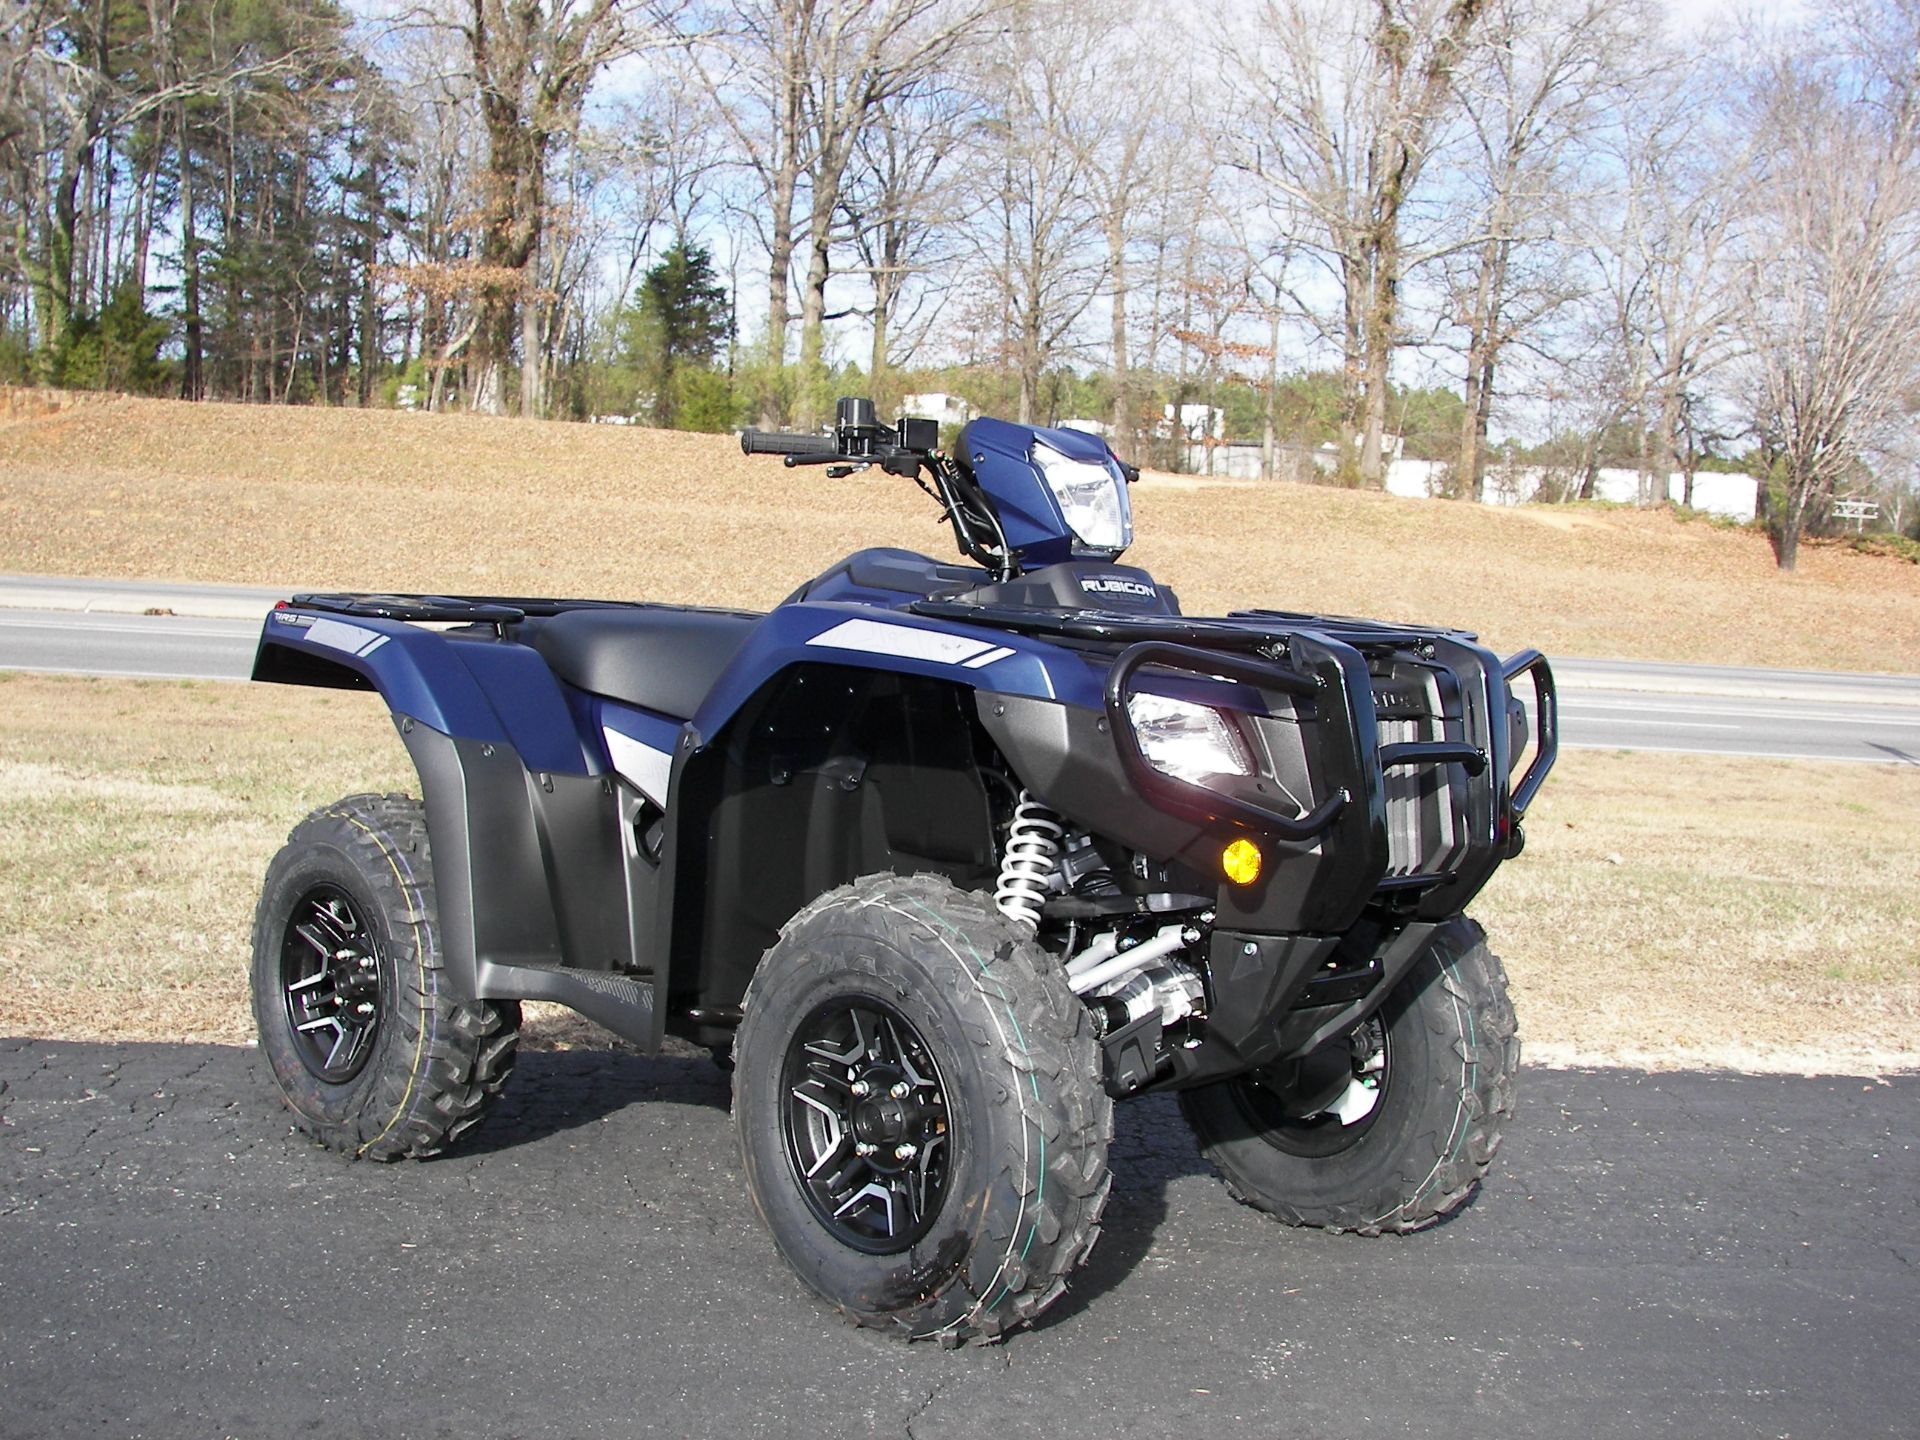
(1391, 768)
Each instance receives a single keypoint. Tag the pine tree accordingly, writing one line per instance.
(673, 334)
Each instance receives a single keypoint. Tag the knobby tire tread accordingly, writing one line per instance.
(455, 1057)
(1439, 1173)
(1050, 1053)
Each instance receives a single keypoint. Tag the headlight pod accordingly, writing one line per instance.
(1092, 499)
(1187, 741)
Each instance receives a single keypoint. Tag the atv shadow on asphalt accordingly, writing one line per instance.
(557, 1091)
(553, 1091)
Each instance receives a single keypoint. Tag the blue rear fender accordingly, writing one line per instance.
(472, 687)
(534, 889)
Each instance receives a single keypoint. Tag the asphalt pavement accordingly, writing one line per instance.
(1697, 1255)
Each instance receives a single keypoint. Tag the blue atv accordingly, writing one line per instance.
(944, 859)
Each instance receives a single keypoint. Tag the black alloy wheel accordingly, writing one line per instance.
(866, 1125)
(918, 1100)
(330, 983)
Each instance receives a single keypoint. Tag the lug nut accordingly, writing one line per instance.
(365, 1007)
(900, 1090)
(905, 1152)
(861, 1147)
(862, 1089)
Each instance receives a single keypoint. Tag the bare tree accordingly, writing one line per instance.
(1834, 278)
(799, 82)
(1338, 108)
(1042, 261)
(533, 64)
(1144, 137)
(905, 169)
(1547, 74)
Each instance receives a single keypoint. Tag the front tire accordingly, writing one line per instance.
(1430, 1095)
(368, 1049)
(920, 1111)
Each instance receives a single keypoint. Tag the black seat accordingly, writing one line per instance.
(660, 659)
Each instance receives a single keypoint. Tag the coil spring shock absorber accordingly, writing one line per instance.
(1033, 847)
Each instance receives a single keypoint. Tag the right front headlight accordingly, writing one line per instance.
(1185, 740)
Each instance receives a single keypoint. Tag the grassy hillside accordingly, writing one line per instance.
(380, 500)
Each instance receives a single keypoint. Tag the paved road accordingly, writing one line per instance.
(1605, 704)
(1659, 1254)
(140, 646)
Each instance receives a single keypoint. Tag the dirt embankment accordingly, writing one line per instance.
(382, 500)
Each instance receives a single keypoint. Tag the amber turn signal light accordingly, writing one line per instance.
(1240, 862)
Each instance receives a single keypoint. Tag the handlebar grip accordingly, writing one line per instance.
(778, 442)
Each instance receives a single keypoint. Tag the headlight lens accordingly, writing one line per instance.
(1092, 498)
(1187, 741)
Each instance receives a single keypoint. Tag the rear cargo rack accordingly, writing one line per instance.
(473, 609)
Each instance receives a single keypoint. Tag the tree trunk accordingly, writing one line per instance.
(1382, 297)
(533, 400)
(878, 354)
(193, 380)
(813, 318)
(1469, 478)
(779, 275)
(1353, 386)
(1123, 436)
(1270, 435)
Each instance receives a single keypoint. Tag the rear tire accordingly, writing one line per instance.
(1444, 1096)
(369, 1051)
(920, 1111)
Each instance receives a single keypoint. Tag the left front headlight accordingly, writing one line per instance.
(1092, 499)
(1185, 740)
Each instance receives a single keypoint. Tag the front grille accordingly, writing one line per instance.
(1423, 823)
(1420, 818)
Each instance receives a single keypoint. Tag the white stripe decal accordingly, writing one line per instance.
(642, 766)
(999, 652)
(871, 637)
(338, 635)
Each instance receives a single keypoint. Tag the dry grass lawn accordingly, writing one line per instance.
(380, 500)
(1660, 915)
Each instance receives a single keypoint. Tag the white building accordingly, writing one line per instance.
(1734, 496)
(947, 409)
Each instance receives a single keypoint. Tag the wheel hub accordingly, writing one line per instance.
(1328, 1102)
(330, 984)
(866, 1124)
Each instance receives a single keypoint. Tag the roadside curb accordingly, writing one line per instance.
(1837, 691)
(136, 597)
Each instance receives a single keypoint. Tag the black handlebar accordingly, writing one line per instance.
(778, 442)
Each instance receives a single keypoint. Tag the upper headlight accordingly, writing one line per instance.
(1091, 497)
(1186, 741)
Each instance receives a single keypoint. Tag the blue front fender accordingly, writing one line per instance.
(827, 633)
